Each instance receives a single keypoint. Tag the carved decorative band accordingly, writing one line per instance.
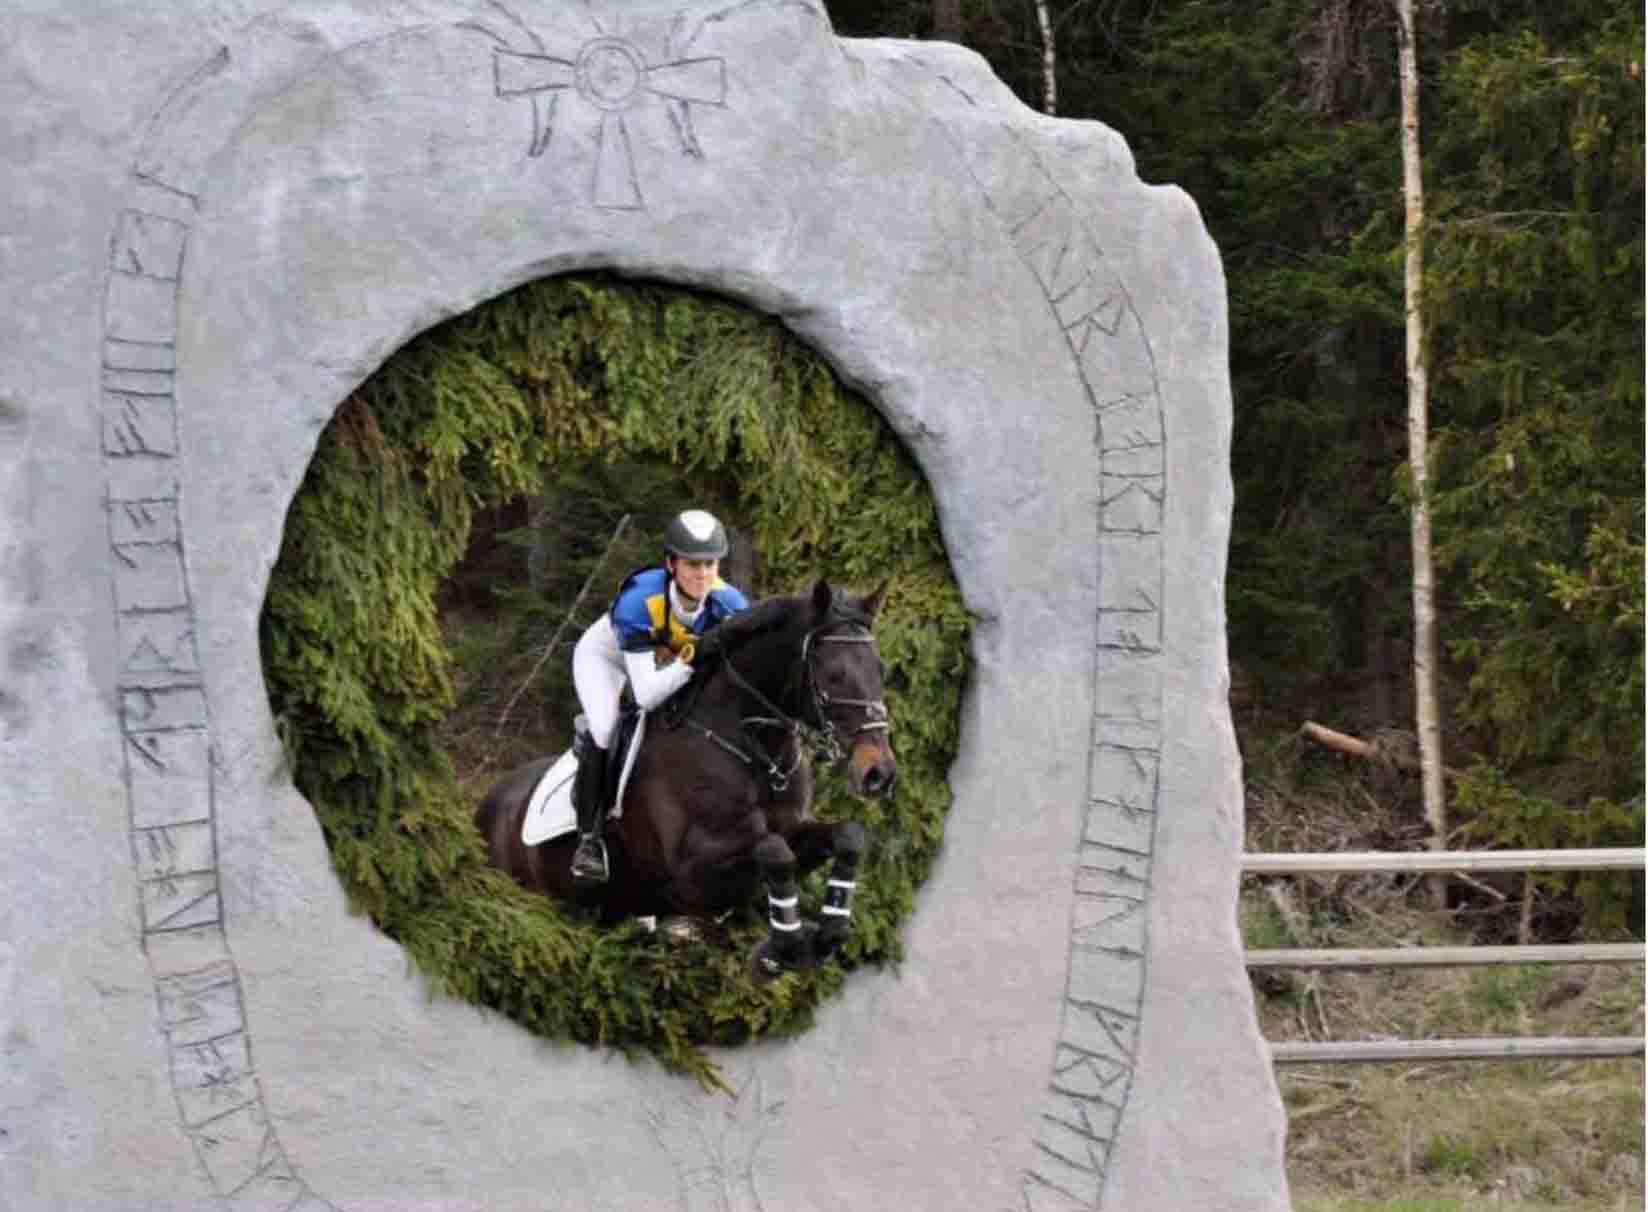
(1093, 1067)
(165, 721)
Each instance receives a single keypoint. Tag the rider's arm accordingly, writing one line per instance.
(650, 684)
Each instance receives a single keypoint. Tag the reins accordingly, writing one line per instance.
(777, 778)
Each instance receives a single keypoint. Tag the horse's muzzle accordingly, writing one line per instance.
(871, 769)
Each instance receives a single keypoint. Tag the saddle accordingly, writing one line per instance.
(549, 813)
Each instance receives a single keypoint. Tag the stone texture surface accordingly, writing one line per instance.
(220, 216)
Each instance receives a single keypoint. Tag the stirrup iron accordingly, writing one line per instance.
(589, 861)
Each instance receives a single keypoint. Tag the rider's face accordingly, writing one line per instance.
(694, 577)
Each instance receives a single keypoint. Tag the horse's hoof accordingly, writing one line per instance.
(770, 960)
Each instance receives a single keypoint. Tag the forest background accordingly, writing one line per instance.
(1281, 120)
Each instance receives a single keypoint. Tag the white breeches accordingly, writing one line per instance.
(598, 675)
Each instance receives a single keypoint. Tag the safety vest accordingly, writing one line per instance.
(643, 620)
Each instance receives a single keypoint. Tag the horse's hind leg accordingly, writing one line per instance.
(813, 842)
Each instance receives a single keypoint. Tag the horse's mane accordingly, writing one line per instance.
(769, 614)
(781, 610)
(778, 618)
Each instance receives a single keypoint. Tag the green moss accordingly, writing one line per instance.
(541, 386)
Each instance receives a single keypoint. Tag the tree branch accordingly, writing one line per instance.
(554, 640)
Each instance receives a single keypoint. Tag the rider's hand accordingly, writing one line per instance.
(706, 648)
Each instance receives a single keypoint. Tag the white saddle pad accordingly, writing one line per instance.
(549, 813)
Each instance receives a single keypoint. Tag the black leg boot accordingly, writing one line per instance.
(589, 861)
(837, 910)
(788, 945)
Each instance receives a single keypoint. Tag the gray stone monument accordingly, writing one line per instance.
(220, 216)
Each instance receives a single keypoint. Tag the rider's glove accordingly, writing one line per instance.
(706, 648)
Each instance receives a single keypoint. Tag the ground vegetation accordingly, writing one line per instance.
(467, 512)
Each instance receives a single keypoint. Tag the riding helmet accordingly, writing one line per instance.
(696, 535)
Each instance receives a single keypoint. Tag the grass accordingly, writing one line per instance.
(1436, 1136)
(1330, 1204)
(1560, 1134)
(1452, 1135)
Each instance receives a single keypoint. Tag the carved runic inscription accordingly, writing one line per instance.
(612, 78)
(1084, 1107)
(149, 245)
(164, 720)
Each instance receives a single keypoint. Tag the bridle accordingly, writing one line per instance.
(822, 729)
(875, 710)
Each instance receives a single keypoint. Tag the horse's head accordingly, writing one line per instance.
(843, 673)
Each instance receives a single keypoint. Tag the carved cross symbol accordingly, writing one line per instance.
(612, 75)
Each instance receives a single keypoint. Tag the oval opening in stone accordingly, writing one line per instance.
(406, 616)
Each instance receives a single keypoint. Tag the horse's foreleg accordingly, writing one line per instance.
(787, 944)
(846, 842)
(813, 842)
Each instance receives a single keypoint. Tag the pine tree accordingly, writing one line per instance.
(1537, 280)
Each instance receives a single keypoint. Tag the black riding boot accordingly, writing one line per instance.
(589, 861)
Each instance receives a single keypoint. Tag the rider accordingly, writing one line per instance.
(646, 638)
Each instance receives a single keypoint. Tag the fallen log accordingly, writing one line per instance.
(1367, 750)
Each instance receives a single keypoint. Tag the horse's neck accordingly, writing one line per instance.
(768, 663)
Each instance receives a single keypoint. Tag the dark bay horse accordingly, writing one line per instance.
(719, 799)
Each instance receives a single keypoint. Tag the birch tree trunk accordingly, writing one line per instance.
(1049, 60)
(1426, 711)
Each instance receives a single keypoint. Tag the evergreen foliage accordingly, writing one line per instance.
(1281, 120)
(699, 400)
(1538, 342)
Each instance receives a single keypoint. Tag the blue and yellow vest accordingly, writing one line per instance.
(641, 615)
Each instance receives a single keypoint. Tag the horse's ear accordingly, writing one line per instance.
(822, 596)
(873, 602)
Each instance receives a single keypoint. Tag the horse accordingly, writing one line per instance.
(719, 799)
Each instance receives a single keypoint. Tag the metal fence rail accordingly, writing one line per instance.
(1446, 957)
(1411, 1051)
(1341, 862)
(1499, 1048)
